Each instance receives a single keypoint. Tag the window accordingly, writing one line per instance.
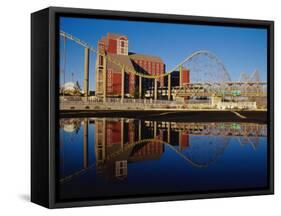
(122, 47)
(101, 60)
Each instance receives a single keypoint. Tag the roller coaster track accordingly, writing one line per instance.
(131, 145)
(129, 69)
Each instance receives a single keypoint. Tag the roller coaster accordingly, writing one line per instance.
(208, 77)
(199, 153)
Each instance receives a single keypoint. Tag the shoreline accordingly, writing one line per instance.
(173, 116)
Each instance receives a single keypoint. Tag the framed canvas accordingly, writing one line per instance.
(139, 107)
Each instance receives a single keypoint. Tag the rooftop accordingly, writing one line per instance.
(138, 56)
(127, 60)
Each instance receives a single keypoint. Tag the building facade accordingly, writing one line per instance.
(175, 80)
(116, 47)
(119, 142)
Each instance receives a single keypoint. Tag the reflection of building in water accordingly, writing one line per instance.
(70, 125)
(120, 141)
(164, 132)
(85, 143)
(115, 139)
(121, 169)
(128, 141)
(151, 150)
(184, 142)
(116, 146)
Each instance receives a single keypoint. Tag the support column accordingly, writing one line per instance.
(97, 74)
(180, 76)
(161, 135)
(140, 87)
(169, 133)
(122, 83)
(139, 130)
(169, 87)
(155, 89)
(86, 71)
(104, 137)
(180, 140)
(85, 144)
(99, 142)
(104, 79)
(122, 133)
(155, 130)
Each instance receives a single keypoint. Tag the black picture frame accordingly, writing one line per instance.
(44, 102)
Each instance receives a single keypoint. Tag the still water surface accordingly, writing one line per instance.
(105, 157)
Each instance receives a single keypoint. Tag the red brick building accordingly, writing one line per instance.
(175, 77)
(184, 140)
(116, 46)
(185, 76)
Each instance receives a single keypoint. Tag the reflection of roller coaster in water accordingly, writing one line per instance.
(118, 142)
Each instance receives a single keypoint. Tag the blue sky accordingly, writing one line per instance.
(240, 49)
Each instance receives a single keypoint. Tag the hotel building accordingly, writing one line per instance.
(116, 47)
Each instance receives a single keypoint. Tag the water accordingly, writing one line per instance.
(114, 157)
